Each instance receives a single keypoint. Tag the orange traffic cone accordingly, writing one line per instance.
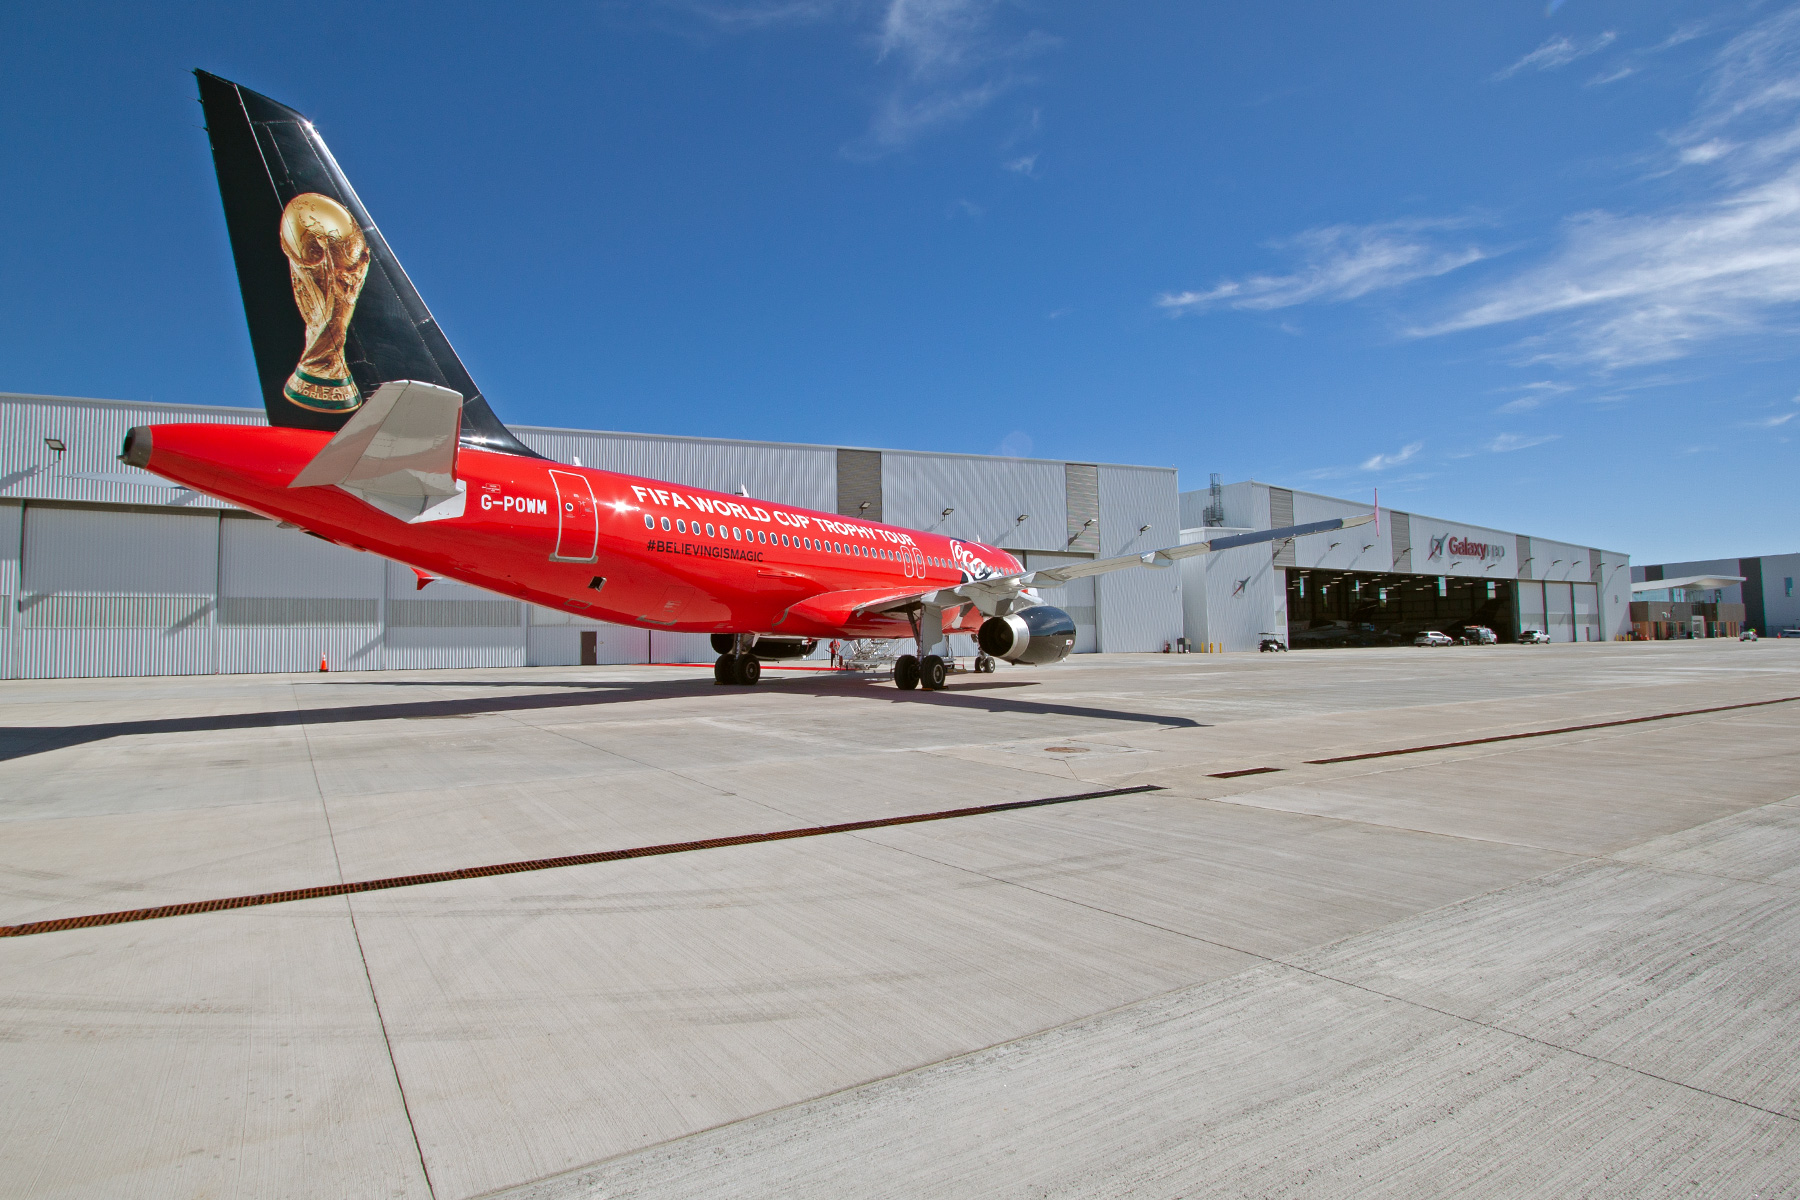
(322, 667)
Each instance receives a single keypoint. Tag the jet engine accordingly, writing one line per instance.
(1039, 635)
(767, 646)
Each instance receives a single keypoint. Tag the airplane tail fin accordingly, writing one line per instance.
(332, 314)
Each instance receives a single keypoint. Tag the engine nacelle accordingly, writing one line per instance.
(1039, 635)
(767, 646)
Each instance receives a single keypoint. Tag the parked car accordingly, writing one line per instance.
(1534, 637)
(1748, 635)
(1793, 633)
(1432, 637)
(1479, 635)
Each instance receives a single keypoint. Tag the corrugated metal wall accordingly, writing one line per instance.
(988, 496)
(107, 592)
(1075, 598)
(1139, 609)
(12, 526)
(286, 600)
(89, 469)
(802, 475)
(449, 624)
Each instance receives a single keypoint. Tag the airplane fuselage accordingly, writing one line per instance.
(614, 547)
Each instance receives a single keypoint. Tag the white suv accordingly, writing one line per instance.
(1432, 637)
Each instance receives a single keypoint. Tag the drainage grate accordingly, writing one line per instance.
(536, 864)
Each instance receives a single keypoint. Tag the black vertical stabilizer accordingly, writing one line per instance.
(266, 155)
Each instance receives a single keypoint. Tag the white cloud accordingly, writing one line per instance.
(1558, 51)
(1775, 422)
(1612, 76)
(1513, 441)
(951, 62)
(1025, 164)
(1624, 290)
(1381, 462)
(1522, 404)
(945, 60)
(1337, 263)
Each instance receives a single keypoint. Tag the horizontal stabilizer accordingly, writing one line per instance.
(397, 453)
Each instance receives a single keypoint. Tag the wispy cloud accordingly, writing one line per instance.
(1513, 441)
(1337, 263)
(1774, 422)
(1025, 164)
(1558, 51)
(951, 60)
(1625, 290)
(941, 61)
(1381, 462)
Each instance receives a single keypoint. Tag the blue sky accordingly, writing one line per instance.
(1535, 268)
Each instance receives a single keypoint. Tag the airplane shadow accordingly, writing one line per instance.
(23, 741)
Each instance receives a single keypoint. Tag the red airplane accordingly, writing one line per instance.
(379, 440)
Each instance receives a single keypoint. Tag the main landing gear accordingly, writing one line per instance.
(910, 672)
(741, 669)
(740, 666)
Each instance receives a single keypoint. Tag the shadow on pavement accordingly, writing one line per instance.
(22, 741)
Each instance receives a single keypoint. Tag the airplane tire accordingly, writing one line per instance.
(906, 672)
(984, 665)
(933, 673)
(722, 669)
(749, 670)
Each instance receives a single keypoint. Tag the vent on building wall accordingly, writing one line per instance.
(859, 484)
(1083, 484)
(1400, 534)
(1281, 512)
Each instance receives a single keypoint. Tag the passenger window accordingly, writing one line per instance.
(709, 530)
(680, 526)
(649, 521)
(761, 536)
(665, 524)
(737, 533)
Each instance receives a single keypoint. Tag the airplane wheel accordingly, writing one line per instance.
(933, 673)
(722, 669)
(749, 670)
(906, 672)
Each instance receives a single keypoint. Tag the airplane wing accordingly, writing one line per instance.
(397, 453)
(988, 594)
(842, 608)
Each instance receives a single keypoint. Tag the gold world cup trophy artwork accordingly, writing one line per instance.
(328, 259)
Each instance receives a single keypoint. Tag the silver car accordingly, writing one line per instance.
(1432, 637)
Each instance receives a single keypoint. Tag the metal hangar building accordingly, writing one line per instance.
(1384, 584)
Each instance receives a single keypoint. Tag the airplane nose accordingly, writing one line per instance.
(136, 450)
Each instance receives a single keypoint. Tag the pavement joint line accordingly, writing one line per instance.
(190, 908)
(1548, 1045)
(362, 956)
(1536, 733)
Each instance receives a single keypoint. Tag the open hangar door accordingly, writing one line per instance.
(1374, 608)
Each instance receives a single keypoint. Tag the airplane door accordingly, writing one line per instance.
(577, 526)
